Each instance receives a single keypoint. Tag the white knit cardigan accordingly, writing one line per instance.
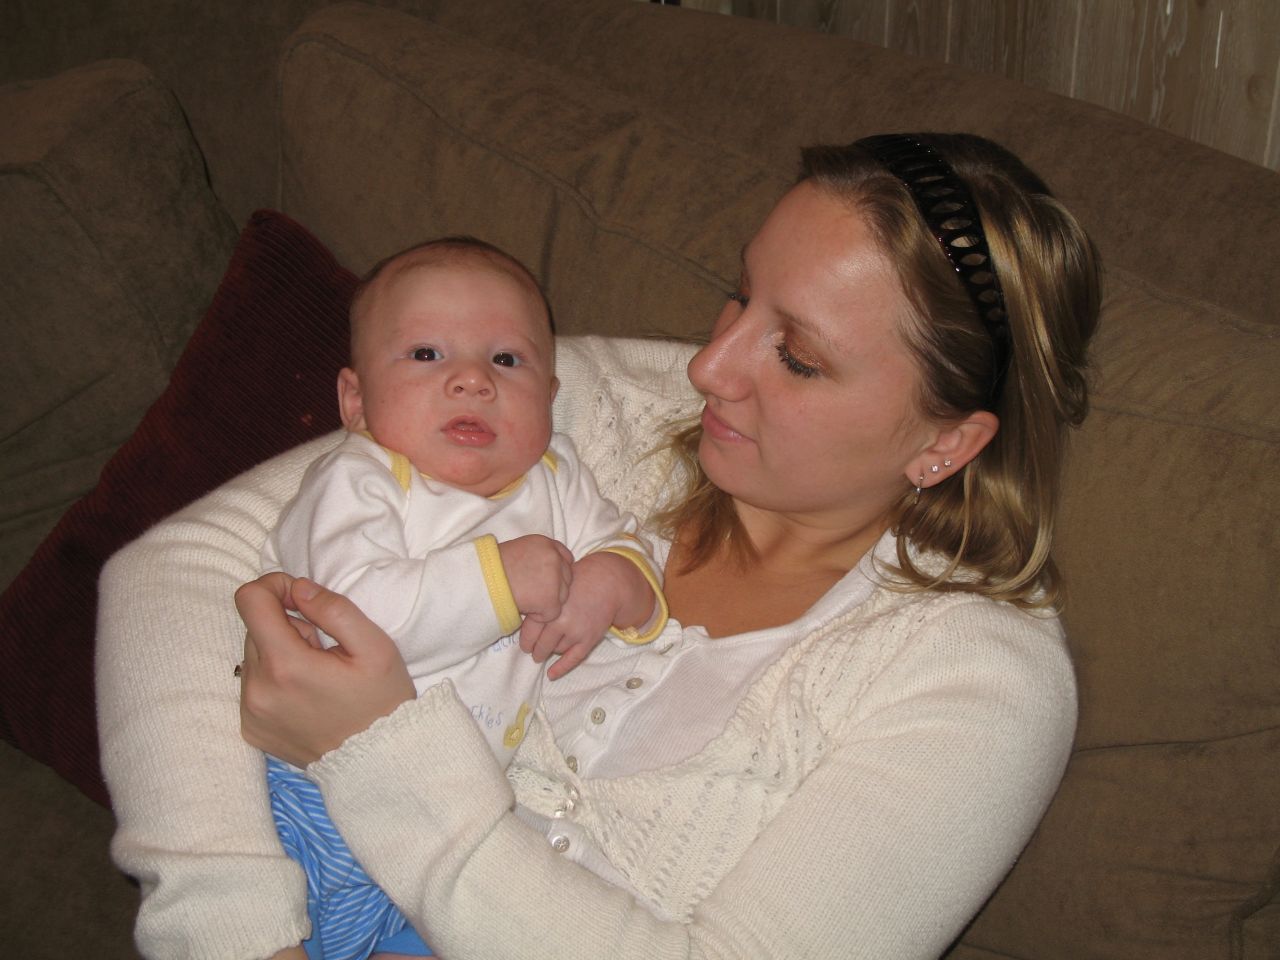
(868, 794)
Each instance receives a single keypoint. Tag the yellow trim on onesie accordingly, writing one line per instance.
(495, 578)
(631, 634)
(509, 489)
(512, 736)
(548, 458)
(401, 469)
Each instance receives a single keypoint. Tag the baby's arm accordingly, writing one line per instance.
(347, 531)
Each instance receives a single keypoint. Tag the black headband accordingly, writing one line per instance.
(948, 208)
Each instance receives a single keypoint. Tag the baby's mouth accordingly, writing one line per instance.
(469, 431)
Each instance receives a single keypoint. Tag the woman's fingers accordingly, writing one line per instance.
(298, 702)
(340, 618)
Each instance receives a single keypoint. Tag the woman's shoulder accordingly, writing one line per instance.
(641, 377)
(951, 645)
(617, 402)
(652, 363)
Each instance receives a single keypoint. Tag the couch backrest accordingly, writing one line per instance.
(626, 152)
(1193, 221)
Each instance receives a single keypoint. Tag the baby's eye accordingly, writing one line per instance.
(740, 298)
(426, 354)
(506, 359)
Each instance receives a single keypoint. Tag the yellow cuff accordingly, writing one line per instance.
(657, 621)
(495, 578)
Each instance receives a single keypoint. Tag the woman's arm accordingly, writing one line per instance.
(188, 794)
(885, 850)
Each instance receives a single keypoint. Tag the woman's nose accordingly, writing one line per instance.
(722, 367)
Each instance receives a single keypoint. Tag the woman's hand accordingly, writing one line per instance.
(299, 701)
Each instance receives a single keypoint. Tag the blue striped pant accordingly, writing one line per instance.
(350, 915)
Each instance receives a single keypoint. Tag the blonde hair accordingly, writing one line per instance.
(992, 521)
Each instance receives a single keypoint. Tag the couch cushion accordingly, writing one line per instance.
(394, 130)
(112, 244)
(257, 377)
(1162, 841)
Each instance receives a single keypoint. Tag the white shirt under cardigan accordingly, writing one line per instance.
(421, 559)
(870, 787)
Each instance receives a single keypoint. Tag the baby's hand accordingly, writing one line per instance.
(539, 571)
(606, 590)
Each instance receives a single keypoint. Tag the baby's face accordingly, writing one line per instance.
(454, 368)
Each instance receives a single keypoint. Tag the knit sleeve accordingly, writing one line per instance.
(885, 850)
(188, 794)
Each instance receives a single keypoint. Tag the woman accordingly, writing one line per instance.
(846, 753)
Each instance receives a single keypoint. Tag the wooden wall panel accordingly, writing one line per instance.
(1235, 107)
(760, 9)
(710, 6)
(1050, 40)
(1133, 55)
(985, 35)
(814, 14)
(863, 21)
(920, 27)
(1204, 69)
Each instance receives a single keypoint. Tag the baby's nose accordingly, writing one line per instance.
(471, 381)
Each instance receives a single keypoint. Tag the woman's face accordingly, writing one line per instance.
(810, 391)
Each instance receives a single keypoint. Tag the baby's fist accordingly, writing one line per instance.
(539, 571)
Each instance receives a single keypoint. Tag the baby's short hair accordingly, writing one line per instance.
(443, 249)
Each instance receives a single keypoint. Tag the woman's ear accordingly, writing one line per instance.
(350, 400)
(953, 446)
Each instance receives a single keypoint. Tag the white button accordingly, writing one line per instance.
(598, 715)
(634, 682)
(571, 763)
(560, 843)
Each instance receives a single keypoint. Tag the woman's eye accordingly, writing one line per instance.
(426, 354)
(791, 363)
(506, 359)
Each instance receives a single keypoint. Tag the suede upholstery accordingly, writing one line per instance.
(626, 152)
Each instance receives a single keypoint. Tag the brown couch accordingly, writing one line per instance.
(626, 151)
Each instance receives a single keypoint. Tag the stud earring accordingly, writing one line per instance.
(934, 468)
(946, 463)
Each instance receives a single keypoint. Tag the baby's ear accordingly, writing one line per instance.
(350, 400)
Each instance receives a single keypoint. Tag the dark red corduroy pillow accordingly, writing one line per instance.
(257, 378)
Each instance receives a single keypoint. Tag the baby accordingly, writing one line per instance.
(460, 524)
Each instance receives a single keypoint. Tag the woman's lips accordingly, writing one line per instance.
(469, 432)
(716, 428)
